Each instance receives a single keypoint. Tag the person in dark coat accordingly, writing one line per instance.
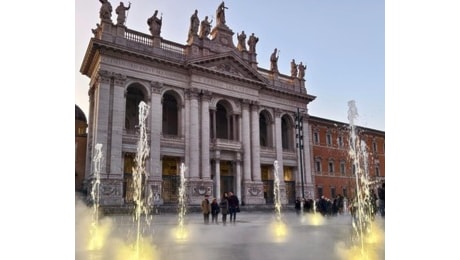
(233, 204)
(214, 211)
(224, 207)
(297, 206)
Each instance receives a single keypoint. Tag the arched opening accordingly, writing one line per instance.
(287, 133)
(223, 122)
(170, 121)
(134, 96)
(265, 129)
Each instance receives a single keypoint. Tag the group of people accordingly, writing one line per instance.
(229, 204)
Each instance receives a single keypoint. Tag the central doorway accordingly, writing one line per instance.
(226, 177)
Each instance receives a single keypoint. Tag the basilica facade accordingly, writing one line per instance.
(211, 109)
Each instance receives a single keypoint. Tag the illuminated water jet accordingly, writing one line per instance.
(142, 195)
(278, 227)
(96, 240)
(181, 233)
(364, 233)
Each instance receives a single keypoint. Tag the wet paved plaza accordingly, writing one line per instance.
(252, 236)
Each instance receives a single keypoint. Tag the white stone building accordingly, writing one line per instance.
(211, 108)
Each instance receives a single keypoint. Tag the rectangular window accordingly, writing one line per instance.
(331, 167)
(318, 166)
(342, 168)
(329, 139)
(316, 137)
(377, 171)
(333, 195)
(340, 141)
(344, 192)
(374, 146)
(354, 170)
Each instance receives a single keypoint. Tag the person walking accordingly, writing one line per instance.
(206, 208)
(224, 207)
(233, 204)
(214, 211)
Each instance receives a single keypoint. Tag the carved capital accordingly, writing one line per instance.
(119, 79)
(156, 87)
(278, 112)
(245, 103)
(104, 76)
(193, 93)
(255, 105)
(206, 95)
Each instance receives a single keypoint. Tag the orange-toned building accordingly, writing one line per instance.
(333, 170)
(80, 147)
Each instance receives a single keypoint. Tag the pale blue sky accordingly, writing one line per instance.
(342, 43)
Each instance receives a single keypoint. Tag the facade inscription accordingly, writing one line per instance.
(226, 86)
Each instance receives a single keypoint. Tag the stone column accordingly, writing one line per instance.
(238, 175)
(279, 154)
(213, 111)
(186, 130)
(117, 123)
(217, 176)
(246, 142)
(155, 171)
(246, 139)
(310, 185)
(279, 142)
(89, 142)
(255, 188)
(193, 166)
(255, 142)
(111, 188)
(205, 170)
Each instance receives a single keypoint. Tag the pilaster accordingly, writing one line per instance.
(246, 141)
(155, 179)
(205, 161)
(279, 154)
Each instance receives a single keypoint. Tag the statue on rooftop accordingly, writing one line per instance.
(293, 68)
(106, 10)
(302, 69)
(274, 60)
(220, 13)
(241, 41)
(121, 12)
(252, 43)
(194, 24)
(155, 24)
(205, 27)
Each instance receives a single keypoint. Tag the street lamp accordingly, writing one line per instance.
(299, 144)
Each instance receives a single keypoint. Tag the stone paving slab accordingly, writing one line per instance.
(252, 236)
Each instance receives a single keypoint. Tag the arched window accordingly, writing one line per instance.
(134, 96)
(265, 129)
(222, 122)
(287, 132)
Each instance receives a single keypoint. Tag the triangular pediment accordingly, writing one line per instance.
(228, 64)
